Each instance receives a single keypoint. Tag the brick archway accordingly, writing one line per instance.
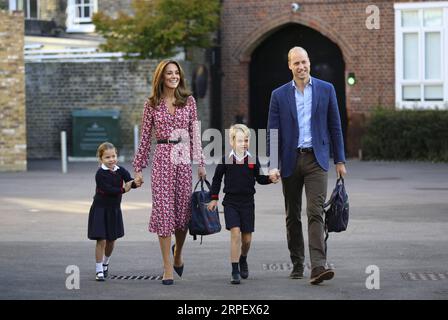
(244, 50)
(243, 53)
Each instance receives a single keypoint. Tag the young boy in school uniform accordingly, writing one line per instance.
(240, 172)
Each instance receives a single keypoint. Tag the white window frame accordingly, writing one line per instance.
(75, 24)
(20, 5)
(399, 56)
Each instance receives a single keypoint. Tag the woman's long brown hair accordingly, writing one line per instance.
(181, 93)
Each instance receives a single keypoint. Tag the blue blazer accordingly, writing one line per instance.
(325, 126)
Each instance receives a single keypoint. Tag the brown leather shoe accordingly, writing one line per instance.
(320, 274)
(297, 271)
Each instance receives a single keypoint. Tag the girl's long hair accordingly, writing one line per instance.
(181, 93)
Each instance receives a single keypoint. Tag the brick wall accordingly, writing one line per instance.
(49, 8)
(55, 89)
(367, 53)
(111, 7)
(12, 93)
(53, 10)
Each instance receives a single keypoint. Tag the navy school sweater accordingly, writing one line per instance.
(239, 178)
(109, 186)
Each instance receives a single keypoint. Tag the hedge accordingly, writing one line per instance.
(406, 135)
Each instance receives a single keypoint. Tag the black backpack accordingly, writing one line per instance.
(336, 216)
(203, 222)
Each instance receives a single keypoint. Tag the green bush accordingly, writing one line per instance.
(406, 135)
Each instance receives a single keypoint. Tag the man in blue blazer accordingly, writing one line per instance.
(305, 113)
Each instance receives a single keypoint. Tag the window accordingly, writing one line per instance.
(79, 15)
(83, 11)
(30, 8)
(421, 48)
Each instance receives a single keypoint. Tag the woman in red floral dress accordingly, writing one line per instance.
(171, 112)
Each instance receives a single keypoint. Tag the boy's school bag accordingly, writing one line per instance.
(203, 222)
(336, 216)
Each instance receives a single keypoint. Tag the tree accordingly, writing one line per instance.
(159, 27)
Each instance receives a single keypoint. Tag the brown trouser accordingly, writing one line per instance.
(309, 174)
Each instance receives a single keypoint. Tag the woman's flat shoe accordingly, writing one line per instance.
(179, 270)
(167, 282)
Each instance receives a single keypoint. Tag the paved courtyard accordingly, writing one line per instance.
(397, 241)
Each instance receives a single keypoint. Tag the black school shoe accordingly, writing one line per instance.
(235, 279)
(99, 276)
(244, 269)
(105, 270)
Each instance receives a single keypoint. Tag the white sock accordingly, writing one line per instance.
(106, 260)
(99, 267)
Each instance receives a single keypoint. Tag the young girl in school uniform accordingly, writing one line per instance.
(105, 218)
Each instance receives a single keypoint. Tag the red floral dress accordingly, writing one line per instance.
(171, 176)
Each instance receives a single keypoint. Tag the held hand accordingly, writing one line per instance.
(202, 173)
(274, 175)
(127, 186)
(340, 170)
(138, 182)
(138, 178)
(212, 205)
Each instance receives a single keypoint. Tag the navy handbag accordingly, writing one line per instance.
(203, 221)
(336, 216)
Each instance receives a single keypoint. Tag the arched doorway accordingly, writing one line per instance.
(269, 68)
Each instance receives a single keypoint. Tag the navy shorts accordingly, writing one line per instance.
(242, 216)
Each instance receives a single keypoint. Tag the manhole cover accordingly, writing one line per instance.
(424, 276)
(286, 266)
(134, 277)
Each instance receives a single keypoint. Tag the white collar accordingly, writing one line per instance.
(233, 154)
(106, 168)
